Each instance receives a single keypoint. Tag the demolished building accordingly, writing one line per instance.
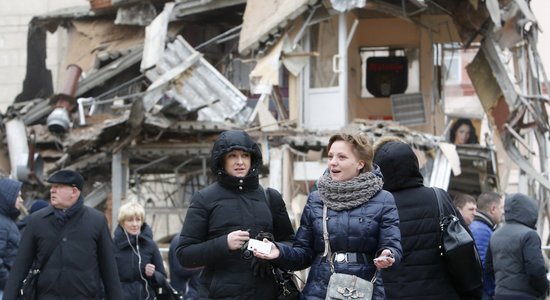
(148, 85)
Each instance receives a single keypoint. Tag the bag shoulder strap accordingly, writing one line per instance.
(451, 211)
(439, 202)
(59, 237)
(269, 203)
(267, 198)
(328, 251)
(325, 231)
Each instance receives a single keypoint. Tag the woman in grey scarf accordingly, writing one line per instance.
(362, 221)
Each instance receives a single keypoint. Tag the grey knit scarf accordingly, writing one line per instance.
(342, 195)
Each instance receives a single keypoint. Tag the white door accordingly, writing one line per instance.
(322, 106)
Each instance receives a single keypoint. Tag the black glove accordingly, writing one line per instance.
(261, 267)
(265, 235)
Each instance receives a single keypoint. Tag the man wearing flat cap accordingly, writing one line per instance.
(81, 264)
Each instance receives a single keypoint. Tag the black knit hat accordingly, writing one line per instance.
(67, 177)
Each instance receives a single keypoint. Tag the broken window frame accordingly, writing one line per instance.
(322, 73)
(452, 63)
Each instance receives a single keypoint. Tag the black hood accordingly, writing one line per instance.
(398, 165)
(236, 140)
(520, 208)
(9, 191)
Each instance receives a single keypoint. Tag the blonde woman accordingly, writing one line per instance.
(138, 258)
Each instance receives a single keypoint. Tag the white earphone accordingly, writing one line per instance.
(136, 252)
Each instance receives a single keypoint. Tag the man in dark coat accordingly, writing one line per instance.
(223, 216)
(10, 200)
(514, 258)
(421, 274)
(82, 258)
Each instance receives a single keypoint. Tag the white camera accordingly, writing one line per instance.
(257, 245)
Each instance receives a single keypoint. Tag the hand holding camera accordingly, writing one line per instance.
(236, 239)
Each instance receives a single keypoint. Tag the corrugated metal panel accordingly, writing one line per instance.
(408, 109)
(199, 87)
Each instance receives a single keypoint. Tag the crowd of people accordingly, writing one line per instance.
(370, 216)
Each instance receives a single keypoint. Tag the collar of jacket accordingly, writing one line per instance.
(484, 218)
(248, 183)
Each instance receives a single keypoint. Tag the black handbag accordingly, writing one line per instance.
(458, 250)
(28, 289)
(286, 280)
(167, 292)
(288, 289)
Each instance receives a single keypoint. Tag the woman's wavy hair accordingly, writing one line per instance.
(463, 121)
